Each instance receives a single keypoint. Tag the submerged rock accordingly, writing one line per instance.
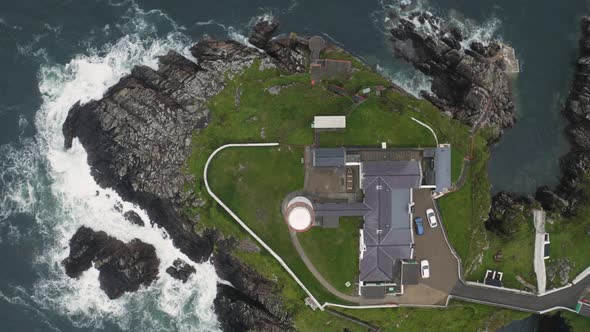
(124, 267)
(469, 83)
(180, 270)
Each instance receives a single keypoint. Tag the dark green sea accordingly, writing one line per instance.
(56, 52)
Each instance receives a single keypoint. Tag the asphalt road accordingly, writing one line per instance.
(564, 298)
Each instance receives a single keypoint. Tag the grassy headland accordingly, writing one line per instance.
(271, 106)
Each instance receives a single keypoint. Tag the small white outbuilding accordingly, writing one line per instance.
(329, 122)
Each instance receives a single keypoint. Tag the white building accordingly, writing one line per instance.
(329, 122)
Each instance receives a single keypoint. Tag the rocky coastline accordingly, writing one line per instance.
(575, 165)
(138, 137)
(124, 267)
(470, 83)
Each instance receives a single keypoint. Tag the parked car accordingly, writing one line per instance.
(425, 269)
(419, 226)
(431, 218)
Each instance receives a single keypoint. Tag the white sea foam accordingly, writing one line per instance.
(18, 176)
(483, 33)
(65, 198)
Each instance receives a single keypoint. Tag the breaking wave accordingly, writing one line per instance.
(39, 178)
(407, 77)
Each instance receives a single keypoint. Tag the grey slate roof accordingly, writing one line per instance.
(386, 231)
(388, 221)
(340, 209)
(329, 157)
(330, 222)
(442, 168)
(380, 264)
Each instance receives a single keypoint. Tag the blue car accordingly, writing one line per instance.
(419, 226)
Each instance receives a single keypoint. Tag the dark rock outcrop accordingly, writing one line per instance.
(139, 135)
(133, 218)
(576, 163)
(249, 283)
(180, 270)
(252, 296)
(238, 312)
(469, 83)
(508, 210)
(124, 267)
(264, 29)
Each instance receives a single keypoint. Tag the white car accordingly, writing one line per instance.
(425, 269)
(431, 216)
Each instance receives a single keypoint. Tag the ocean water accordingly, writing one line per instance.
(56, 52)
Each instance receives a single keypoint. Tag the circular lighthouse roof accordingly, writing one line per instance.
(299, 214)
(299, 218)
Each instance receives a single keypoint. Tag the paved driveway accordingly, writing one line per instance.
(433, 247)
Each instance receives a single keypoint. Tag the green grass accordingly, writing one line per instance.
(253, 182)
(576, 322)
(322, 321)
(569, 239)
(464, 212)
(261, 116)
(334, 252)
(457, 216)
(459, 316)
(517, 253)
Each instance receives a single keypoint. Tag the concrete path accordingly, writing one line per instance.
(539, 262)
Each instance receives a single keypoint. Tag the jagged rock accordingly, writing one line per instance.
(507, 211)
(469, 83)
(237, 312)
(251, 287)
(124, 267)
(558, 271)
(263, 31)
(549, 200)
(133, 218)
(138, 137)
(180, 270)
